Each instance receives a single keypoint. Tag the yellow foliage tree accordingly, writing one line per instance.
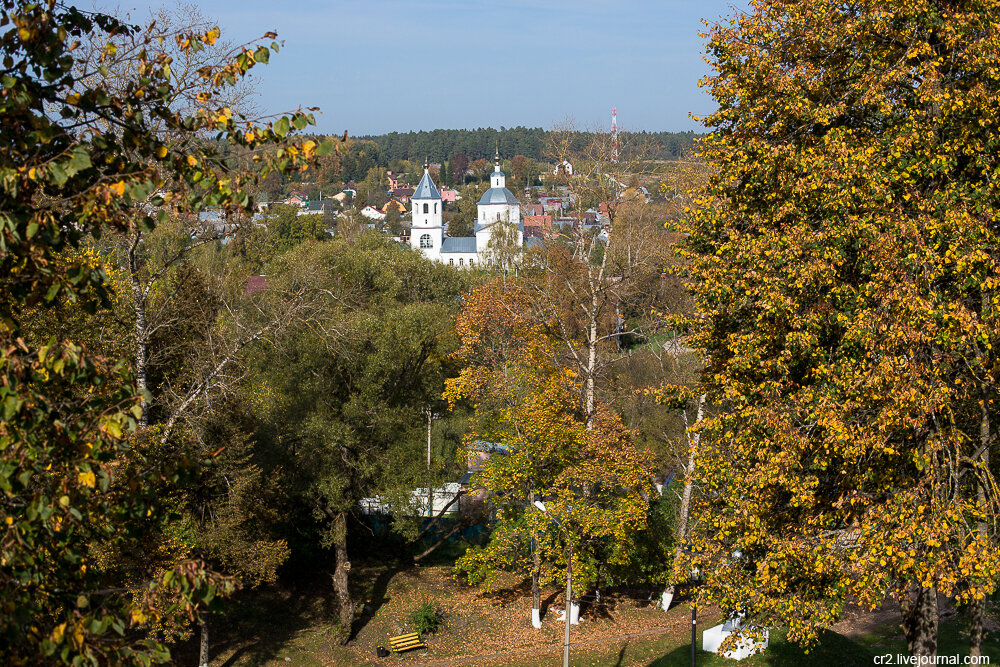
(847, 274)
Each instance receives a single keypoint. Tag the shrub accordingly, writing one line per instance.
(426, 618)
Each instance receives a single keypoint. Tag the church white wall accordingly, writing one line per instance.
(433, 251)
(460, 260)
(430, 219)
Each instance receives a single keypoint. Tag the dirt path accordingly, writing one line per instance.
(858, 621)
(479, 659)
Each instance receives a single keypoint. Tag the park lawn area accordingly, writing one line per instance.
(276, 626)
(281, 626)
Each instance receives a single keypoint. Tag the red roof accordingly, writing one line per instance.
(255, 284)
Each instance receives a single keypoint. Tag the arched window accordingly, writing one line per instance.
(471, 261)
(498, 216)
(461, 261)
(425, 208)
(425, 240)
(452, 261)
(435, 207)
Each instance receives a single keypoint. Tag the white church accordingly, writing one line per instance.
(427, 230)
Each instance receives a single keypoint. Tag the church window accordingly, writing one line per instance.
(425, 208)
(461, 262)
(425, 240)
(435, 208)
(452, 261)
(498, 216)
(471, 261)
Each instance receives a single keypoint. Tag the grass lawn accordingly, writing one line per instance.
(298, 627)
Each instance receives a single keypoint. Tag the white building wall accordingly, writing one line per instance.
(434, 249)
(463, 260)
(429, 223)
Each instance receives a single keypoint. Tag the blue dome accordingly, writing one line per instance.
(498, 196)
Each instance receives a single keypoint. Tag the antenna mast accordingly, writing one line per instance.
(614, 135)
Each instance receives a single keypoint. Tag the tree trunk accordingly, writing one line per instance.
(919, 608)
(203, 648)
(536, 589)
(140, 352)
(685, 510)
(978, 607)
(536, 575)
(340, 575)
(977, 614)
(591, 360)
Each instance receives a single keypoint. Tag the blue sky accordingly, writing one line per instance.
(383, 65)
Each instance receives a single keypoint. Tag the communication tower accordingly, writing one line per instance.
(614, 134)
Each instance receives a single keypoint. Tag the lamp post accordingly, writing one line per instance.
(569, 579)
(694, 575)
(694, 622)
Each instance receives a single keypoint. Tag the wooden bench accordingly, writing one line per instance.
(405, 642)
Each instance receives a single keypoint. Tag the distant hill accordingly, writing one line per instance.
(440, 145)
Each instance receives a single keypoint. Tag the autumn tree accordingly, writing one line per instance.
(85, 155)
(503, 251)
(596, 287)
(585, 468)
(459, 167)
(847, 272)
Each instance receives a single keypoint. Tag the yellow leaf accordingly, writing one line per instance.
(119, 188)
(87, 478)
(161, 152)
(192, 160)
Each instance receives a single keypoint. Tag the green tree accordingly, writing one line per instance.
(847, 272)
(462, 223)
(347, 385)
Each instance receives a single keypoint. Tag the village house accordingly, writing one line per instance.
(372, 213)
(396, 180)
(402, 194)
(538, 226)
(315, 207)
(394, 204)
(563, 167)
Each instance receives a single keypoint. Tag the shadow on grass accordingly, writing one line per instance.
(285, 613)
(547, 602)
(377, 597)
(833, 650)
(621, 654)
(953, 640)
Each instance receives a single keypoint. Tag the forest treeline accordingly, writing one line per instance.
(531, 142)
